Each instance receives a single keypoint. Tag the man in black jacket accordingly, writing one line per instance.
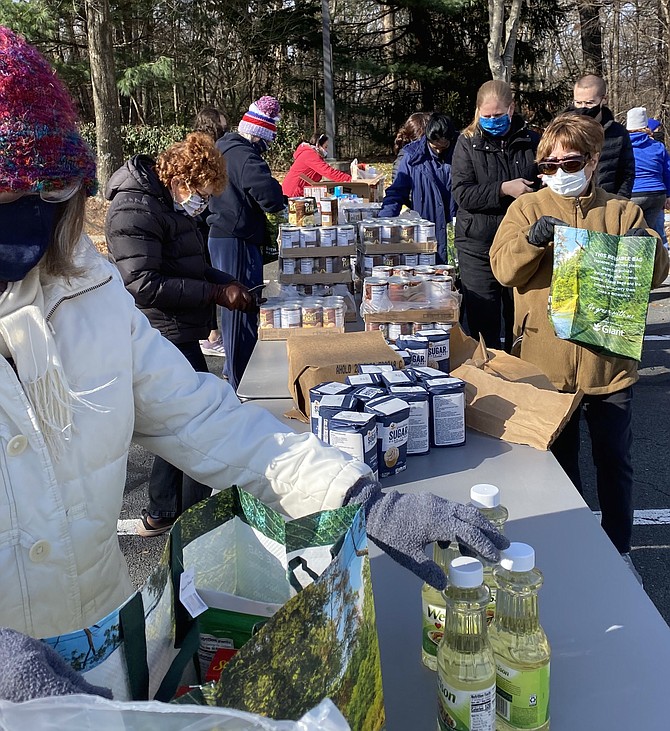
(238, 223)
(616, 169)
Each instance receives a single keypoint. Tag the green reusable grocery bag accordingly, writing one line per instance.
(311, 578)
(600, 289)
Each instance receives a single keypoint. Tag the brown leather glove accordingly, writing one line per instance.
(234, 296)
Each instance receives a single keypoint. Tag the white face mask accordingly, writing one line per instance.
(193, 205)
(568, 184)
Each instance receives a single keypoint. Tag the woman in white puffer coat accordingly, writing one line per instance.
(82, 373)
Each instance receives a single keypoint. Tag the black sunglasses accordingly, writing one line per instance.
(568, 165)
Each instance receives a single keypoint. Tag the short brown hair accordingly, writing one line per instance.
(573, 132)
(196, 160)
(591, 81)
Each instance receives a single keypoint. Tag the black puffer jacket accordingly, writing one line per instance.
(616, 169)
(479, 165)
(239, 212)
(160, 253)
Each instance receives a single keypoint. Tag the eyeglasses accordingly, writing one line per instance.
(48, 196)
(567, 165)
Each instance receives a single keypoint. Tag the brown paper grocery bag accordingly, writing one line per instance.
(506, 397)
(318, 358)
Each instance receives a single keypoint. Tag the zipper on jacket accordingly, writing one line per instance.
(76, 294)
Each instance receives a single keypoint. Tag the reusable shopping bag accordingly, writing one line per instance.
(290, 601)
(322, 640)
(600, 289)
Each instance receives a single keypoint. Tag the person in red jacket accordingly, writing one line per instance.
(309, 161)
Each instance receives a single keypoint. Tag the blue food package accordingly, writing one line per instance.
(418, 398)
(329, 406)
(417, 346)
(392, 416)
(316, 393)
(355, 433)
(438, 348)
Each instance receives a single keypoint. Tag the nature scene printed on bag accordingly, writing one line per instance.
(600, 289)
(323, 641)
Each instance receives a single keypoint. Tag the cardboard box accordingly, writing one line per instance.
(507, 397)
(283, 333)
(330, 357)
(401, 247)
(416, 315)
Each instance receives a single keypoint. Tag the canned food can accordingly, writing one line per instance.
(307, 265)
(289, 237)
(291, 315)
(396, 330)
(410, 260)
(425, 231)
(328, 236)
(405, 289)
(370, 233)
(390, 232)
(381, 326)
(382, 271)
(408, 232)
(312, 315)
(370, 263)
(402, 270)
(375, 289)
(301, 211)
(346, 235)
(288, 266)
(391, 260)
(353, 215)
(427, 260)
(309, 236)
(446, 269)
(319, 265)
(439, 288)
(267, 316)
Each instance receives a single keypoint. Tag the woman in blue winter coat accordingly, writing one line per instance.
(651, 188)
(423, 180)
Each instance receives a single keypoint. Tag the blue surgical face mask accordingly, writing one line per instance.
(496, 126)
(26, 227)
(194, 205)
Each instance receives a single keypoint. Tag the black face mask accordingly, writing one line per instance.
(592, 112)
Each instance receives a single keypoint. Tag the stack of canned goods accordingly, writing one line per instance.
(307, 312)
(395, 231)
(391, 260)
(354, 211)
(401, 284)
(318, 239)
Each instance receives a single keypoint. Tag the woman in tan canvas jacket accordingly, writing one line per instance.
(522, 257)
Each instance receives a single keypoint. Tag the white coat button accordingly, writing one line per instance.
(39, 551)
(16, 445)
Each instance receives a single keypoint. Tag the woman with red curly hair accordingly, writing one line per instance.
(153, 238)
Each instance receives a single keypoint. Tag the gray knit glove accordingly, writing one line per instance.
(402, 525)
(32, 669)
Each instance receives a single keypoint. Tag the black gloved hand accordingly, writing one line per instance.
(542, 231)
(402, 525)
(637, 232)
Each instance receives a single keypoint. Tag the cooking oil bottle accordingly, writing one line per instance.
(520, 645)
(432, 605)
(466, 669)
(486, 498)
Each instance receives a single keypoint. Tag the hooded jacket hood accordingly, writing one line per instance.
(137, 175)
(303, 148)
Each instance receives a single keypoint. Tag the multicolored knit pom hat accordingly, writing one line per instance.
(40, 145)
(261, 119)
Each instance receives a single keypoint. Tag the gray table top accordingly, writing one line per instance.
(266, 375)
(609, 643)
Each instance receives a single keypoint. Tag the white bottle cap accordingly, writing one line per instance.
(518, 557)
(466, 572)
(485, 496)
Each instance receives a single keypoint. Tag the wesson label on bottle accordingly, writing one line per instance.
(522, 696)
(462, 710)
(433, 627)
